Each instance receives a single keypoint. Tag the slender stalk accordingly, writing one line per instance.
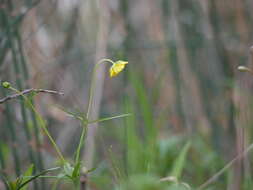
(92, 84)
(42, 124)
(81, 142)
(85, 124)
(35, 124)
(8, 110)
(38, 144)
(3, 52)
(2, 161)
(19, 82)
(27, 91)
(219, 173)
(11, 130)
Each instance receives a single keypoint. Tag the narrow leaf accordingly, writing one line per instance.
(36, 176)
(28, 172)
(76, 171)
(180, 161)
(109, 118)
(76, 115)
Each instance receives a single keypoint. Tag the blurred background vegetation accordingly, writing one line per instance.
(191, 108)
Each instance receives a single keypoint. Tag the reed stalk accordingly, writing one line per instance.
(12, 38)
(25, 71)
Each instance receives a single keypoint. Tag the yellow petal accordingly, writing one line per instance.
(121, 62)
(117, 67)
(112, 72)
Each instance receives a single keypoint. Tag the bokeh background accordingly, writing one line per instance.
(181, 86)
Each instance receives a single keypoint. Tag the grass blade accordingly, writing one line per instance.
(180, 161)
(109, 118)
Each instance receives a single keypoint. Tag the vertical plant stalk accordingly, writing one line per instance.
(8, 109)
(19, 81)
(190, 85)
(81, 142)
(2, 161)
(91, 94)
(101, 46)
(93, 85)
(39, 162)
(11, 130)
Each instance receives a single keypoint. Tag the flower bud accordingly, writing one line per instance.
(6, 84)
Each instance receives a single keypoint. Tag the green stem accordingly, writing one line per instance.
(92, 84)
(84, 130)
(11, 129)
(85, 124)
(2, 161)
(42, 123)
(35, 124)
(12, 36)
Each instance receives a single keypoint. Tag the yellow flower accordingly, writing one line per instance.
(117, 67)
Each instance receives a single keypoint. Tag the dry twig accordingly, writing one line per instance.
(27, 91)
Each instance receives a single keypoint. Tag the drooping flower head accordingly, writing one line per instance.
(117, 67)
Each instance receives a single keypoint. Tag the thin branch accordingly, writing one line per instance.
(219, 173)
(27, 91)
